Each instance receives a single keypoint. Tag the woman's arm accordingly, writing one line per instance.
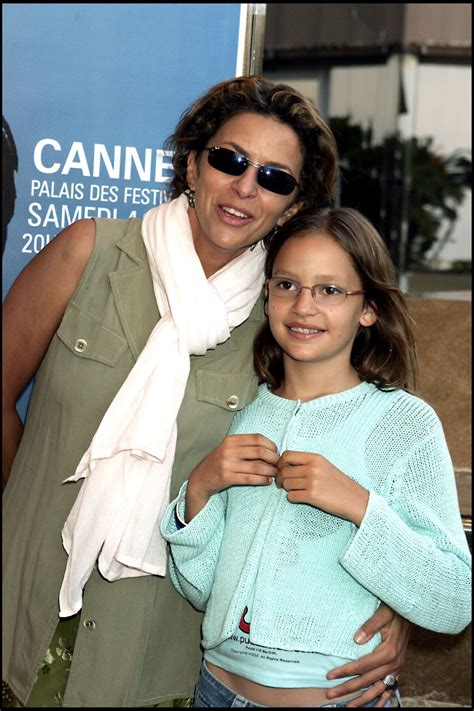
(32, 312)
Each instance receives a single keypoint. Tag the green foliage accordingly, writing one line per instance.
(461, 266)
(410, 191)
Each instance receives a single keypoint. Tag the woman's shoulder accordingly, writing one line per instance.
(117, 227)
(113, 236)
(114, 231)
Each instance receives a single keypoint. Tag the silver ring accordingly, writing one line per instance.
(390, 682)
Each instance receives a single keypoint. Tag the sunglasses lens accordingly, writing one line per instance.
(233, 163)
(227, 161)
(277, 181)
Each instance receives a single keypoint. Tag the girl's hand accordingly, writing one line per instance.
(248, 459)
(311, 479)
(387, 658)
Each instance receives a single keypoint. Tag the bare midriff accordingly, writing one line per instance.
(271, 695)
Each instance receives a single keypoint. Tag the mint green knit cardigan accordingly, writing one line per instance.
(314, 578)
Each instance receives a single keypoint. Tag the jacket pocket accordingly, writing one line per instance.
(88, 338)
(232, 391)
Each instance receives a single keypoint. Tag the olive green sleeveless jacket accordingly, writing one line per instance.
(138, 640)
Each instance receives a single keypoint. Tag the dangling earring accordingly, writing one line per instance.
(191, 196)
(273, 232)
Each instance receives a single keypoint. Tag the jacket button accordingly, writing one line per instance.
(89, 624)
(232, 402)
(80, 345)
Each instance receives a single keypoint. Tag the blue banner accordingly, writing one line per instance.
(90, 93)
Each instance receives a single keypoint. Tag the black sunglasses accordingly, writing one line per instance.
(234, 163)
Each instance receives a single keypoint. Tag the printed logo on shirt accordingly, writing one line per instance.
(243, 624)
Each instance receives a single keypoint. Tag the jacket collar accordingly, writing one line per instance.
(132, 288)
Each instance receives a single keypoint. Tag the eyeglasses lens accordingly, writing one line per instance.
(234, 163)
(322, 293)
(227, 161)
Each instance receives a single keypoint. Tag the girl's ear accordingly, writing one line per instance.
(192, 170)
(265, 299)
(369, 315)
(289, 212)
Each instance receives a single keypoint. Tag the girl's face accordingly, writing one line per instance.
(310, 333)
(233, 212)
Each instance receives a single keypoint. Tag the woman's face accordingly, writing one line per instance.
(234, 212)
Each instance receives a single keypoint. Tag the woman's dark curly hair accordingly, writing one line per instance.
(205, 116)
(384, 353)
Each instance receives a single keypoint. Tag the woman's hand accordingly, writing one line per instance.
(248, 459)
(312, 479)
(387, 658)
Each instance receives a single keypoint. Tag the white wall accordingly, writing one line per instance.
(443, 110)
(368, 94)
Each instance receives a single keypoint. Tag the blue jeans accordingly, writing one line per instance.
(213, 693)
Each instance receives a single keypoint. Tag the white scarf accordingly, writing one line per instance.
(127, 467)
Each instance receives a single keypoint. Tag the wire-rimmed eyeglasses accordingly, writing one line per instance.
(329, 294)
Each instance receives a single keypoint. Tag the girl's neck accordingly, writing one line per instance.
(305, 386)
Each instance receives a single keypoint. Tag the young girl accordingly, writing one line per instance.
(334, 489)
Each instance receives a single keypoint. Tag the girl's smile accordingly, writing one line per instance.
(302, 331)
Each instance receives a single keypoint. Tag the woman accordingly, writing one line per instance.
(248, 155)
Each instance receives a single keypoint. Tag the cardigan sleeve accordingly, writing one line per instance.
(411, 551)
(194, 549)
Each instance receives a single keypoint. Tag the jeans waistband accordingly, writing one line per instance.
(231, 698)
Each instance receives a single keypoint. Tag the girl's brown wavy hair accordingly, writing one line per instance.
(384, 353)
(205, 116)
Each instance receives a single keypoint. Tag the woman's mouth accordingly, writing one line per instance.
(233, 216)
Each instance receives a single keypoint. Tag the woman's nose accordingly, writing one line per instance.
(246, 185)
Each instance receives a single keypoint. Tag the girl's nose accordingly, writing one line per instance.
(304, 302)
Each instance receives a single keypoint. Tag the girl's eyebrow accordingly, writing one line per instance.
(320, 278)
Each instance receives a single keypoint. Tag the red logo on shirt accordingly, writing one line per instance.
(243, 624)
